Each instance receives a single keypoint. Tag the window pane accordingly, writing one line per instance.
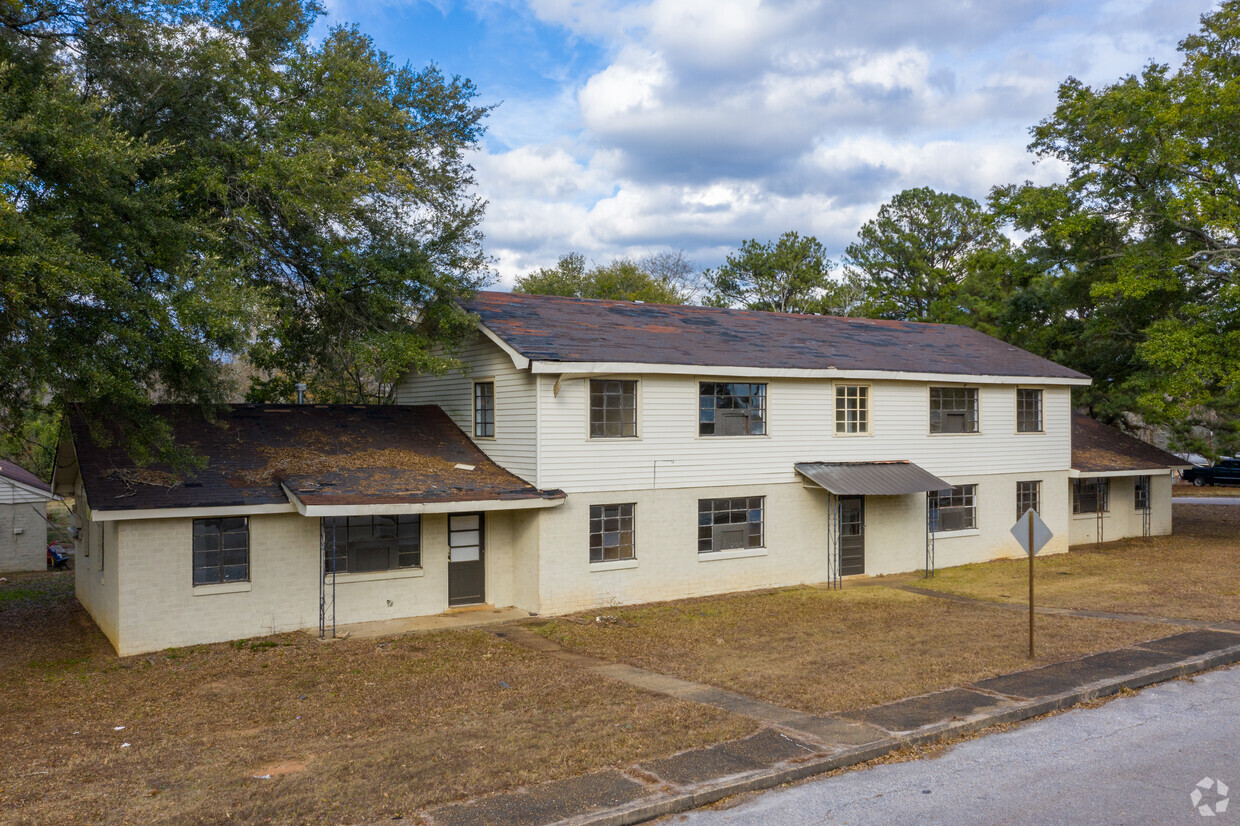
(613, 408)
(236, 573)
(206, 576)
(731, 409)
(611, 532)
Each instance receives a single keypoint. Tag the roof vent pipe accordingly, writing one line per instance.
(301, 392)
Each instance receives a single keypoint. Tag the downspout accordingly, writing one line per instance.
(538, 433)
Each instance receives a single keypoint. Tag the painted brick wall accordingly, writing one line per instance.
(161, 608)
(668, 565)
(1123, 520)
(23, 537)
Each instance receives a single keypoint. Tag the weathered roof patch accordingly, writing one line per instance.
(337, 454)
(552, 328)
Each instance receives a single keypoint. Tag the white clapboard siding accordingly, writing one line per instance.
(800, 424)
(12, 493)
(513, 447)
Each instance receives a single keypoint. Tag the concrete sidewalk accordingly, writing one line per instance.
(794, 745)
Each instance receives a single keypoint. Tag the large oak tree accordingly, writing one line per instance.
(186, 182)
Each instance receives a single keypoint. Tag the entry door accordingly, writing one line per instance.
(466, 563)
(852, 535)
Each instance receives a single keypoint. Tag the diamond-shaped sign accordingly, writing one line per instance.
(1041, 533)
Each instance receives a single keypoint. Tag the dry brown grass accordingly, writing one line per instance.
(1180, 489)
(821, 651)
(385, 726)
(1193, 574)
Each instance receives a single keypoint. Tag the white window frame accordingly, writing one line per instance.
(1037, 497)
(966, 490)
(868, 408)
(1041, 409)
(473, 406)
(977, 395)
(766, 408)
(637, 408)
(747, 547)
(603, 532)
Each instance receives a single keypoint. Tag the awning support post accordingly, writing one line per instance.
(834, 579)
(327, 591)
(929, 542)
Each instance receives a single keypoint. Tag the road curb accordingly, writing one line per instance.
(713, 791)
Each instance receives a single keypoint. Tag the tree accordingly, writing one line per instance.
(791, 275)
(622, 280)
(911, 261)
(184, 180)
(1138, 248)
(676, 270)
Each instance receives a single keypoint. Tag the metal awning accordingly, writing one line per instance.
(870, 478)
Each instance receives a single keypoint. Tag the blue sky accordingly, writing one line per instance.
(629, 128)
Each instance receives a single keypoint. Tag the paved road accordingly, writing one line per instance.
(1205, 500)
(1133, 760)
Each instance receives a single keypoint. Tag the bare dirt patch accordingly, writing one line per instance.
(1192, 574)
(355, 731)
(821, 651)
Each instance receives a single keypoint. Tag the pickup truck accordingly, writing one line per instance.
(1226, 472)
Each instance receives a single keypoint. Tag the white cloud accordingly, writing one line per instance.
(714, 121)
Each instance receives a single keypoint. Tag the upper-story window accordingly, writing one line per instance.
(852, 409)
(1028, 410)
(484, 409)
(731, 409)
(613, 408)
(953, 410)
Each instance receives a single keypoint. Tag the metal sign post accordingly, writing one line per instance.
(1031, 654)
(1032, 534)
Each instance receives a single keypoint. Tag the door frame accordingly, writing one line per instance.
(481, 562)
(861, 534)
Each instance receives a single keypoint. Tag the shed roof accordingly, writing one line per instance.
(18, 474)
(1098, 448)
(553, 328)
(322, 455)
(871, 478)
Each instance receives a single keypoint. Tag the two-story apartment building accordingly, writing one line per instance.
(616, 453)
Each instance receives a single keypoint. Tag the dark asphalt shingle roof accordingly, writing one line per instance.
(552, 328)
(19, 474)
(325, 454)
(1097, 447)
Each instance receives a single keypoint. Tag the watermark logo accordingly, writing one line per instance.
(1209, 789)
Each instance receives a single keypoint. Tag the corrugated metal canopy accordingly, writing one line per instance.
(870, 478)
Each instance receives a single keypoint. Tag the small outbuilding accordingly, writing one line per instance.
(1120, 485)
(23, 519)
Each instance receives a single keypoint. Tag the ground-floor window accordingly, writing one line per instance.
(357, 544)
(730, 524)
(1090, 495)
(1028, 495)
(954, 509)
(1141, 493)
(221, 550)
(611, 532)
